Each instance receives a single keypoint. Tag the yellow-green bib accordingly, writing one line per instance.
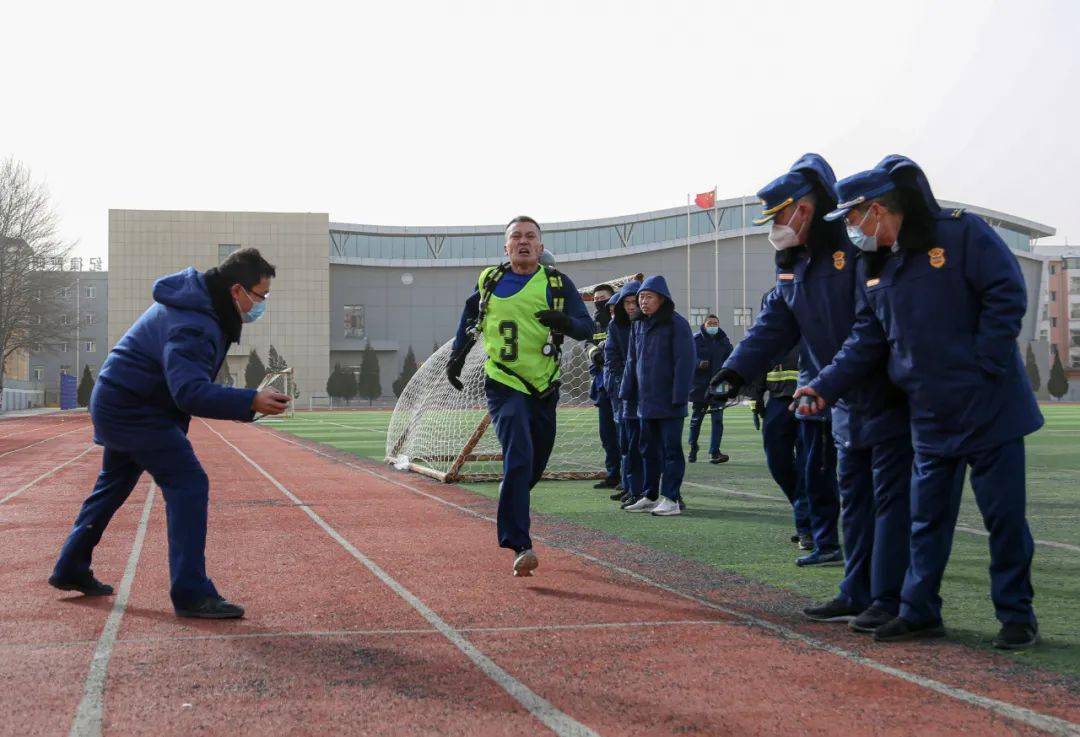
(514, 338)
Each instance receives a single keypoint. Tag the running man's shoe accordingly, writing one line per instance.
(212, 607)
(525, 563)
(85, 584)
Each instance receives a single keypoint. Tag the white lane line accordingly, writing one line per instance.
(45, 475)
(87, 721)
(39, 442)
(555, 720)
(652, 624)
(784, 501)
(1052, 725)
(22, 432)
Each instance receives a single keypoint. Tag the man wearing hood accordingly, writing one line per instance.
(713, 348)
(521, 310)
(941, 297)
(609, 434)
(615, 347)
(660, 362)
(159, 375)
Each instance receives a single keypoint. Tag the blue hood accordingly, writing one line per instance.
(907, 175)
(629, 289)
(657, 283)
(817, 169)
(185, 290)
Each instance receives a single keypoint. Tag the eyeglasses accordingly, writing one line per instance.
(255, 296)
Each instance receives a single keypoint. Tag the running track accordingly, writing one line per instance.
(378, 603)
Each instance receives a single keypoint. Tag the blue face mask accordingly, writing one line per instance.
(861, 240)
(256, 311)
(712, 329)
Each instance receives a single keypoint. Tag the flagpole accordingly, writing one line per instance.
(716, 254)
(745, 326)
(688, 301)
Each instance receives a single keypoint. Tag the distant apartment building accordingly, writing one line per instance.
(1059, 310)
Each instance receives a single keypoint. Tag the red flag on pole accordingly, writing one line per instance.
(706, 200)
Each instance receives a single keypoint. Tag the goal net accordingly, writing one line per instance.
(281, 381)
(443, 433)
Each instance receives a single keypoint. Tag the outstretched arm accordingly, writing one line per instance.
(188, 360)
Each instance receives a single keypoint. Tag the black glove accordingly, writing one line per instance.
(725, 384)
(555, 320)
(456, 363)
(596, 353)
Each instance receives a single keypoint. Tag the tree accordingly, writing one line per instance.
(255, 371)
(1032, 369)
(31, 265)
(223, 376)
(86, 387)
(333, 382)
(408, 368)
(369, 388)
(275, 362)
(341, 384)
(1057, 385)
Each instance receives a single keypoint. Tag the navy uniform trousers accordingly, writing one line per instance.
(997, 477)
(786, 458)
(663, 462)
(525, 426)
(630, 446)
(609, 437)
(875, 514)
(186, 490)
(821, 487)
(716, 418)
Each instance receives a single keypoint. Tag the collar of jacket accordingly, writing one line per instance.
(662, 316)
(224, 309)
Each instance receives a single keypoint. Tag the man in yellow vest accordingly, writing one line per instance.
(521, 310)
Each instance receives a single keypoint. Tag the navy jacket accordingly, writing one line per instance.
(813, 307)
(615, 348)
(713, 350)
(162, 371)
(947, 316)
(601, 320)
(660, 359)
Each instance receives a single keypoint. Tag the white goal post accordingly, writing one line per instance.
(443, 433)
(282, 381)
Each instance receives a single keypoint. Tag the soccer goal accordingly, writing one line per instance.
(445, 434)
(282, 381)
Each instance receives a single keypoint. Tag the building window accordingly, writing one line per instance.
(37, 319)
(39, 373)
(224, 250)
(698, 315)
(354, 321)
(65, 369)
(1053, 322)
(1053, 269)
(35, 348)
(88, 346)
(65, 319)
(65, 293)
(1074, 285)
(1053, 296)
(90, 292)
(64, 347)
(1074, 340)
(89, 318)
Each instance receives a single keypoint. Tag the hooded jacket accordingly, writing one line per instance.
(660, 359)
(713, 350)
(945, 311)
(162, 371)
(615, 347)
(601, 320)
(813, 307)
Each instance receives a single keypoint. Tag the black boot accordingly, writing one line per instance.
(85, 584)
(212, 607)
(692, 458)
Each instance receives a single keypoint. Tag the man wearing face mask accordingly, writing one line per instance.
(813, 306)
(159, 375)
(609, 435)
(624, 313)
(713, 348)
(941, 297)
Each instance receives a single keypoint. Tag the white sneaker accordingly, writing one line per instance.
(525, 563)
(666, 508)
(644, 504)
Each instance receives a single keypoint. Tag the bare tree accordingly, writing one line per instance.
(32, 281)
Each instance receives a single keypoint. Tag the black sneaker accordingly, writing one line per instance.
(870, 620)
(1016, 636)
(617, 496)
(619, 487)
(692, 458)
(719, 458)
(608, 483)
(806, 541)
(682, 505)
(817, 558)
(836, 610)
(212, 607)
(899, 629)
(794, 538)
(85, 584)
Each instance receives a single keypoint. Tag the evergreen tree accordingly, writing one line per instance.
(349, 387)
(276, 362)
(1057, 385)
(1032, 369)
(255, 371)
(408, 368)
(333, 383)
(86, 386)
(369, 387)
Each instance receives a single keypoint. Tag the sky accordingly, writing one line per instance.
(458, 113)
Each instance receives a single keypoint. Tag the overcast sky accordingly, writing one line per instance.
(440, 113)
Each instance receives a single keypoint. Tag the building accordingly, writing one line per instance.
(1059, 312)
(341, 286)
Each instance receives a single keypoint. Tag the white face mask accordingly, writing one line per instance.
(783, 237)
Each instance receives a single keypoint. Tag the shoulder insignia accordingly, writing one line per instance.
(785, 276)
(937, 257)
(957, 212)
(838, 260)
(872, 282)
